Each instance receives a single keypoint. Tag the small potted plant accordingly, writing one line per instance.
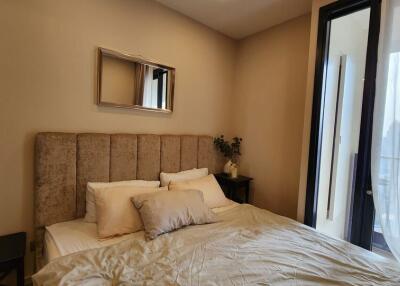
(230, 150)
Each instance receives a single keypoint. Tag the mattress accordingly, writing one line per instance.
(77, 235)
(247, 246)
(72, 236)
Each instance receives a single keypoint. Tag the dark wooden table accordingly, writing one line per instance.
(12, 252)
(233, 186)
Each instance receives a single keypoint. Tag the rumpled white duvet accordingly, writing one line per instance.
(249, 246)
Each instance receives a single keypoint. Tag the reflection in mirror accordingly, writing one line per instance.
(152, 86)
(125, 81)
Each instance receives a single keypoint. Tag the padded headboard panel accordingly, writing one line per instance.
(66, 162)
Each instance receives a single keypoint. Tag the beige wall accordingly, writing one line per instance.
(118, 79)
(47, 80)
(270, 86)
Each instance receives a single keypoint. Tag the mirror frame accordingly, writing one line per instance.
(106, 52)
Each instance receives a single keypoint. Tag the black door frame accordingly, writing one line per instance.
(362, 203)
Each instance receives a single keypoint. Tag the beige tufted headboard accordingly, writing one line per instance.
(66, 162)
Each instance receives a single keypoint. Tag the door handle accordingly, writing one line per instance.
(369, 192)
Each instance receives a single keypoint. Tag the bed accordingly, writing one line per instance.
(247, 246)
(73, 236)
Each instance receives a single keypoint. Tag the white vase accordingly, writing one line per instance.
(227, 167)
(234, 171)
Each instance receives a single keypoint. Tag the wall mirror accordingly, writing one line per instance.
(129, 82)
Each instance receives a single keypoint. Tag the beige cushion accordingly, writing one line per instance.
(214, 197)
(114, 211)
(166, 178)
(166, 211)
(90, 215)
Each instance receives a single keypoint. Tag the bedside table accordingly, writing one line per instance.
(12, 252)
(233, 185)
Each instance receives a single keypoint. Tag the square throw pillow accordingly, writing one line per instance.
(114, 211)
(214, 197)
(90, 215)
(166, 178)
(167, 211)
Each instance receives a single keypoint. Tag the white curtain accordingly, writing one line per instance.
(150, 88)
(385, 161)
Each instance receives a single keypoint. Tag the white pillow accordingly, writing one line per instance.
(90, 200)
(114, 211)
(214, 197)
(166, 178)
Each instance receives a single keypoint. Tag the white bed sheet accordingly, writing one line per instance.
(77, 235)
(248, 246)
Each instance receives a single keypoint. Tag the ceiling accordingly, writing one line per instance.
(240, 18)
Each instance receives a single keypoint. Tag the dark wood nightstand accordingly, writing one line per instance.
(232, 186)
(12, 252)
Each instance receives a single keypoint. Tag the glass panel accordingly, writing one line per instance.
(389, 155)
(341, 115)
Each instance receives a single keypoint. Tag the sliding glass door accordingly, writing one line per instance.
(342, 95)
(339, 201)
